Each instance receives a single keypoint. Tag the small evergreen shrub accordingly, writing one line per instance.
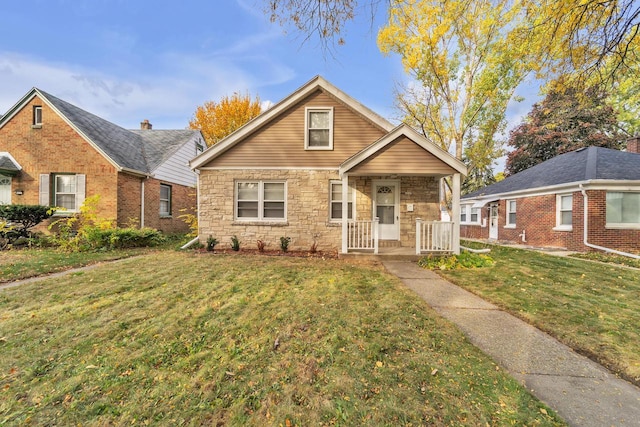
(16, 220)
(284, 243)
(235, 243)
(211, 243)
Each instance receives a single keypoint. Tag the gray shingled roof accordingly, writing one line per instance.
(159, 145)
(576, 166)
(122, 146)
(7, 165)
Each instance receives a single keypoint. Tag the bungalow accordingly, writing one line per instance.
(53, 153)
(325, 171)
(588, 199)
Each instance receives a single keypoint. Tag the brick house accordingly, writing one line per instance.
(588, 199)
(56, 154)
(321, 167)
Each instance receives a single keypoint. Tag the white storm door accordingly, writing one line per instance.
(493, 221)
(5, 190)
(386, 206)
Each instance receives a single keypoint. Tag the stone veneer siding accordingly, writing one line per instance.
(307, 208)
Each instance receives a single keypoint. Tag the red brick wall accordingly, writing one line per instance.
(55, 147)
(537, 216)
(183, 200)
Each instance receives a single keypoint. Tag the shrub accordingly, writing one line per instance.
(16, 220)
(284, 243)
(235, 243)
(261, 244)
(211, 243)
(453, 262)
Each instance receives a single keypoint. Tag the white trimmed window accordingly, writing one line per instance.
(511, 213)
(318, 129)
(469, 214)
(37, 115)
(62, 190)
(261, 200)
(564, 212)
(623, 209)
(335, 201)
(165, 200)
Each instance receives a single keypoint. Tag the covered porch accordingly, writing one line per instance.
(390, 197)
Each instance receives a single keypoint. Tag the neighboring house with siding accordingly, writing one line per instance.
(551, 203)
(56, 154)
(321, 167)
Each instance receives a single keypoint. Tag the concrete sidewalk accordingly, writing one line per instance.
(578, 389)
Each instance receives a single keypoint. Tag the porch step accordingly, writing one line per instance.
(389, 244)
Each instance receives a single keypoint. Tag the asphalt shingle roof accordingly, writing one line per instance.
(159, 145)
(124, 147)
(6, 164)
(576, 166)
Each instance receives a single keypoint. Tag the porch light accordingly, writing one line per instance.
(19, 192)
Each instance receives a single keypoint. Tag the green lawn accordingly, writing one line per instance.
(594, 308)
(175, 338)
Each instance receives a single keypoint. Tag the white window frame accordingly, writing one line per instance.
(37, 116)
(165, 214)
(621, 225)
(56, 193)
(261, 200)
(307, 123)
(509, 211)
(352, 193)
(559, 225)
(467, 211)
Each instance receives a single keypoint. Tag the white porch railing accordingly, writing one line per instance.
(434, 236)
(363, 235)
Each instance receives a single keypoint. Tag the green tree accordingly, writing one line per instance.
(564, 121)
(216, 120)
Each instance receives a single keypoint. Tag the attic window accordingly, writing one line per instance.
(37, 116)
(319, 129)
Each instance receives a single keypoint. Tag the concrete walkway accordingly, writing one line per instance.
(581, 391)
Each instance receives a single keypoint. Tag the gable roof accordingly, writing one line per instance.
(316, 83)
(402, 130)
(8, 165)
(584, 164)
(139, 152)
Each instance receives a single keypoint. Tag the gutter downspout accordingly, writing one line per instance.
(142, 202)
(586, 221)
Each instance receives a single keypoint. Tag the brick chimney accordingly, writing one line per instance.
(145, 125)
(633, 144)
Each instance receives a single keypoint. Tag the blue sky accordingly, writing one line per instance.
(129, 60)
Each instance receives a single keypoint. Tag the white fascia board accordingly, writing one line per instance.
(276, 110)
(15, 162)
(18, 106)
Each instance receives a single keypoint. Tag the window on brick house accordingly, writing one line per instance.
(511, 213)
(564, 212)
(165, 200)
(335, 201)
(260, 200)
(469, 214)
(623, 209)
(63, 190)
(37, 116)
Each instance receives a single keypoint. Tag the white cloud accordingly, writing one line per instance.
(167, 94)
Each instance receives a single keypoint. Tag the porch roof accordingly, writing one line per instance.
(402, 151)
(8, 165)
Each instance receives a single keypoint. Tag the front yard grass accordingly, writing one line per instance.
(199, 339)
(594, 308)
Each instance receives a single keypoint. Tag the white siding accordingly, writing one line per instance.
(176, 169)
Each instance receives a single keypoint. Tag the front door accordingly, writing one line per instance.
(493, 221)
(386, 206)
(5, 190)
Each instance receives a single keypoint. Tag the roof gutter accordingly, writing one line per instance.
(585, 199)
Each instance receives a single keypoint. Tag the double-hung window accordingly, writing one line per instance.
(261, 200)
(165, 200)
(319, 129)
(511, 213)
(469, 214)
(623, 209)
(65, 189)
(564, 212)
(335, 201)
